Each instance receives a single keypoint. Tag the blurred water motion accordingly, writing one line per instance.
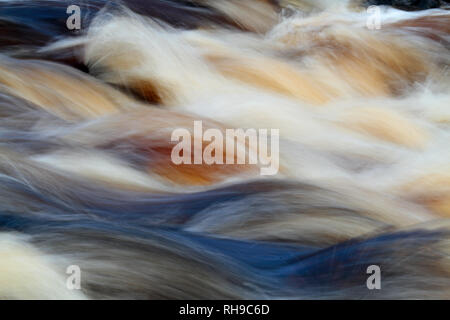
(87, 179)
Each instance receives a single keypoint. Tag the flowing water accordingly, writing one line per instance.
(87, 176)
